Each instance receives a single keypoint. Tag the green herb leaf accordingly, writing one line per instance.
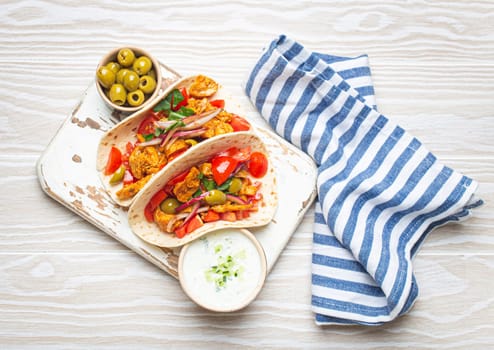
(148, 137)
(225, 185)
(186, 112)
(164, 105)
(209, 184)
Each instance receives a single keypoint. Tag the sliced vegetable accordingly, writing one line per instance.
(118, 175)
(153, 204)
(198, 120)
(190, 202)
(235, 199)
(179, 178)
(169, 205)
(215, 197)
(223, 167)
(211, 216)
(190, 226)
(239, 124)
(229, 216)
(114, 161)
(235, 185)
(217, 103)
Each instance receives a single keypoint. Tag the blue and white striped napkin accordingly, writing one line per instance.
(379, 190)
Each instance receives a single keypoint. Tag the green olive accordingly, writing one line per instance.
(118, 94)
(169, 205)
(147, 84)
(215, 197)
(118, 175)
(105, 76)
(126, 57)
(121, 75)
(235, 185)
(113, 66)
(135, 98)
(131, 81)
(142, 65)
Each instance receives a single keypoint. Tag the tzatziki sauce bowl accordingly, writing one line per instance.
(223, 271)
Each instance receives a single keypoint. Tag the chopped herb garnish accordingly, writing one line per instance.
(226, 270)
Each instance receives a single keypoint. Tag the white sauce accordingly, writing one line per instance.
(222, 270)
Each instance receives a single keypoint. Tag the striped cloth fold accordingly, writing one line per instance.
(379, 190)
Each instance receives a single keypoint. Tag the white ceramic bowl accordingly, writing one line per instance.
(112, 57)
(224, 270)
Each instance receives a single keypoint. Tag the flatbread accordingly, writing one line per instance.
(151, 233)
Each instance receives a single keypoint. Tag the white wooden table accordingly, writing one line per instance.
(65, 284)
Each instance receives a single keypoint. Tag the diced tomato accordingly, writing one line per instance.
(211, 216)
(194, 224)
(239, 124)
(147, 125)
(114, 161)
(129, 147)
(217, 103)
(222, 167)
(153, 203)
(180, 232)
(258, 164)
(189, 227)
(228, 216)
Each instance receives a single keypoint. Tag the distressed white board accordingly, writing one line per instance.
(67, 173)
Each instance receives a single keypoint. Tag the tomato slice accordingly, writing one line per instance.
(147, 125)
(156, 200)
(179, 178)
(222, 167)
(148, 214)
(114, 161)
(258, 164)
(153, 203)
(239, 124)
(217, 103)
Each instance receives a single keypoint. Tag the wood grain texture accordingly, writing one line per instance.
(64, 284)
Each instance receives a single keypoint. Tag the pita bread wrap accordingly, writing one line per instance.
(126, 132)
(267, 205)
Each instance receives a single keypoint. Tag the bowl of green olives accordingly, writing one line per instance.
(127, 78)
